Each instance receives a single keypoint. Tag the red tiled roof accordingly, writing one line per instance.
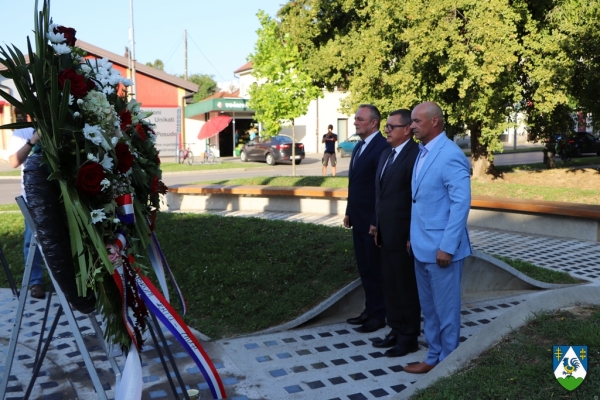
(245, 67)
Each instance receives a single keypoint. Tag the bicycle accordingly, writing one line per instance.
(209, 155)
(186, 154)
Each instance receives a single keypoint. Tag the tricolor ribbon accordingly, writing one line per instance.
(159, 306)
(119, 279)
(120, 240)
(160, 265)
(125, 210)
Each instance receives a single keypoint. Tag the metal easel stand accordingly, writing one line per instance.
(65, 308)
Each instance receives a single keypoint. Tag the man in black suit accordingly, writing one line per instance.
(393, 209)
(360, 215)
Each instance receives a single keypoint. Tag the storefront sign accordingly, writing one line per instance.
(167, 126)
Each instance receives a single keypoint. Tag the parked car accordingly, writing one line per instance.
(346, 147)
(574, 144)
(272, 150)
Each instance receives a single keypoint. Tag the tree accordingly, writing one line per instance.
(462, 54)
(158, 64)
(207, 86)
(284, 89)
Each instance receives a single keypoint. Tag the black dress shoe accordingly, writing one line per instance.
(388, 341)
(371, 325)
(361, 319)
(400, 350)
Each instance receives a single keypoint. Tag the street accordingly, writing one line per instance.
(10, 187)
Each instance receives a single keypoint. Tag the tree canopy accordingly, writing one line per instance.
(481, 61)
(284, 89)
(207, 86)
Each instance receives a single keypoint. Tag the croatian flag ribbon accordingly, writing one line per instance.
(120, 240)
(158, 305)
(160, 265)
(119, 279)
(125, 210)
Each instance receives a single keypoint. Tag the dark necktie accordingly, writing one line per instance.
(389, 163)
(358, 149)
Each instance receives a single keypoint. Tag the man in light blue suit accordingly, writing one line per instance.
(439, 240)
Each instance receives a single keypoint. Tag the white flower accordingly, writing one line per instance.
(105, 183)
(52, 26)
(116, 220)
(61, 48)
(86, 69)
(108, 90)
(107, 163)
(114, 141)
(93, 134)
(55, 37)
(97, 215)
(127, 82)
(76, 114)
(92, 157)
(80, 102)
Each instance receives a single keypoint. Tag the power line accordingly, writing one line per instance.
(218, 73)
(174, 50)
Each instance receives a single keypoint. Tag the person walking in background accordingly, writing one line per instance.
(439, 239)
(21, 143)
(360, 215)
(392, 208)
(329, 139)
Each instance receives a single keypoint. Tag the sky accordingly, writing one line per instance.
(220, 33)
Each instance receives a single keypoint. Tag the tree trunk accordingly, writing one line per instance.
(480, 163)
(293, 150)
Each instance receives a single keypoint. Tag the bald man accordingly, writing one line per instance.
(439, 240)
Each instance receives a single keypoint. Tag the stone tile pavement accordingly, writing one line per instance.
(321, 362)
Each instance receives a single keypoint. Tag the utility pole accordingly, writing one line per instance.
(185, 54)
(132, 39)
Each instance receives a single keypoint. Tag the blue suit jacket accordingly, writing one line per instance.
(361, 184)
(441, 202)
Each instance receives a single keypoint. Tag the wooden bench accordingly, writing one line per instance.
(560, 219)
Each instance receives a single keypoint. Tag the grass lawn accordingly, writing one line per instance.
(538, 273)
(238, 275)
(15, 172)
(175, 167)
(572, 185)
(520, 366)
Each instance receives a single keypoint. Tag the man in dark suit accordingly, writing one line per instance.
(360, 215)
(392, 208)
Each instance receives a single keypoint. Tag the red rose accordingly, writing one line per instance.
(125, 117)
(69, 34)
(78, 86)
(141, 131)
(90, 85)
(154, 185)
(89, 177)
(124, 156)
(157, 158)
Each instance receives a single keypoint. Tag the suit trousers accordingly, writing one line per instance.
(402, 308)
(368, 259)
(439, 294)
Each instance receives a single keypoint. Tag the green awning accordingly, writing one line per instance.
(225, 105)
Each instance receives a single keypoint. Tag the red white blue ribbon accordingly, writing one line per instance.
(120, 240)
(160, 265)
(125, 210)
(158, 305)
(120, 281)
